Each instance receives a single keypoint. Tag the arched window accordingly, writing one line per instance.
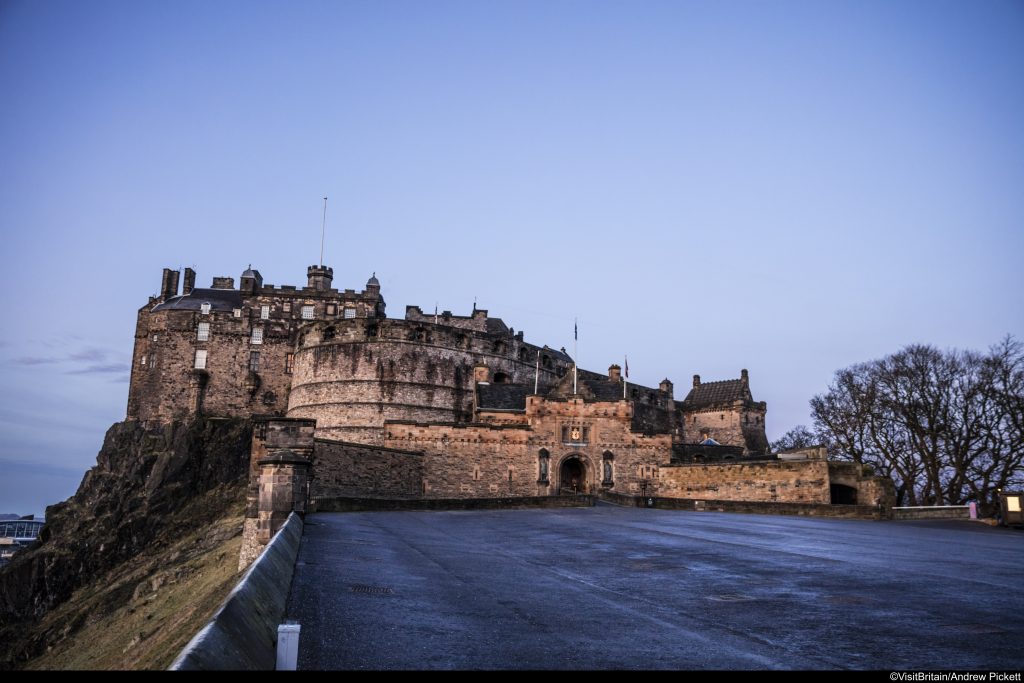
(499, 378)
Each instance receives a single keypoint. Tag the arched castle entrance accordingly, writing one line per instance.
(573, 475)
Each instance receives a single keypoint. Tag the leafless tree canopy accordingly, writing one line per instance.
(947, 426)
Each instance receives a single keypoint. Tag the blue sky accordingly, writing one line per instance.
(788, 187)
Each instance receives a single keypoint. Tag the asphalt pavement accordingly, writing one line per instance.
(623, 588)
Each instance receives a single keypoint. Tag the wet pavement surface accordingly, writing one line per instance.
(623, 588)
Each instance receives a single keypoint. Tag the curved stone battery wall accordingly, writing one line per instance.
(352, 376)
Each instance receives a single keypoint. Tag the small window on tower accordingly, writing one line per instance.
(156, 337)
(331, 309)
(237, 312)
(254, 361)
(264, 312)
(350, 313)
(205, 308)
(286, 307)
(203, 332)
(307, 312)
(143, 360)
(200, 363)
(289, 363)
(257, 335)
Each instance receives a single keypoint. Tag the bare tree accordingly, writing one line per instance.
(797, 437)
(945, 426)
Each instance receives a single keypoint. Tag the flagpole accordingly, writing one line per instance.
(536, 374)
(626, 380)
(575, 352)
(323, 231)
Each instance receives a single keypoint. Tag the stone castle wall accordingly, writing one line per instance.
(508, 457)
(165, 384)
(789, 482)
(735, 425)
(356, 470)
(352, 378)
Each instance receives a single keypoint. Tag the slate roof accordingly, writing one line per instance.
(708, 394)
(219, 300)
(595, 386)
(495, 326)
(555, 354)
(502, 396)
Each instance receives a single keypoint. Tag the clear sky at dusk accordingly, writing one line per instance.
(788, 187)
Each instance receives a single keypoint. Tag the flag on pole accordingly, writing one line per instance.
(575, 352)
(627, 367)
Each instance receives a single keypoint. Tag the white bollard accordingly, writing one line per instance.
(287, 646)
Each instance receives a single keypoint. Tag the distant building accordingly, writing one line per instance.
(17, 534)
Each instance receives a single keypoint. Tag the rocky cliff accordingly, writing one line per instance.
(151, 487)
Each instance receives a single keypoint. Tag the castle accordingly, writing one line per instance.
(351, 403)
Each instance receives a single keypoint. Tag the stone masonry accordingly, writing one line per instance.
(351, 403)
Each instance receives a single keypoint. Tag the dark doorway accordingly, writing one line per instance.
(843, 495)
(573, 476)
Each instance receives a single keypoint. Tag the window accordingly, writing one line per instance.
(156, 337)
(205, 308)
(307, 312)
(200, 363)
(203, 332)
(350, 313)
(331, 309)
(264, 312)
(289, 363)
(286, 307)
(237, 312)
(254, 361)
(142, 362)
(257, 335)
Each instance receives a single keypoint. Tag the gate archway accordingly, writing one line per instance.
(572, 475)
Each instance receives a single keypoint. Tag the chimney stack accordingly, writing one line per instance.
(190, 281)
(696, 381)
(614, 373)
(745, 377)
(169, 284)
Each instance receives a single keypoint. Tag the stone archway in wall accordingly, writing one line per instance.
(840, 494)
(574, 475)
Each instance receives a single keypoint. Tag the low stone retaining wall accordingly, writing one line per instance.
(754, 507)
(932, 512)
(365, 504)
(243, 632)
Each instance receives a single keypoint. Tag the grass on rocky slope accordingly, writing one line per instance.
(141, 614)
